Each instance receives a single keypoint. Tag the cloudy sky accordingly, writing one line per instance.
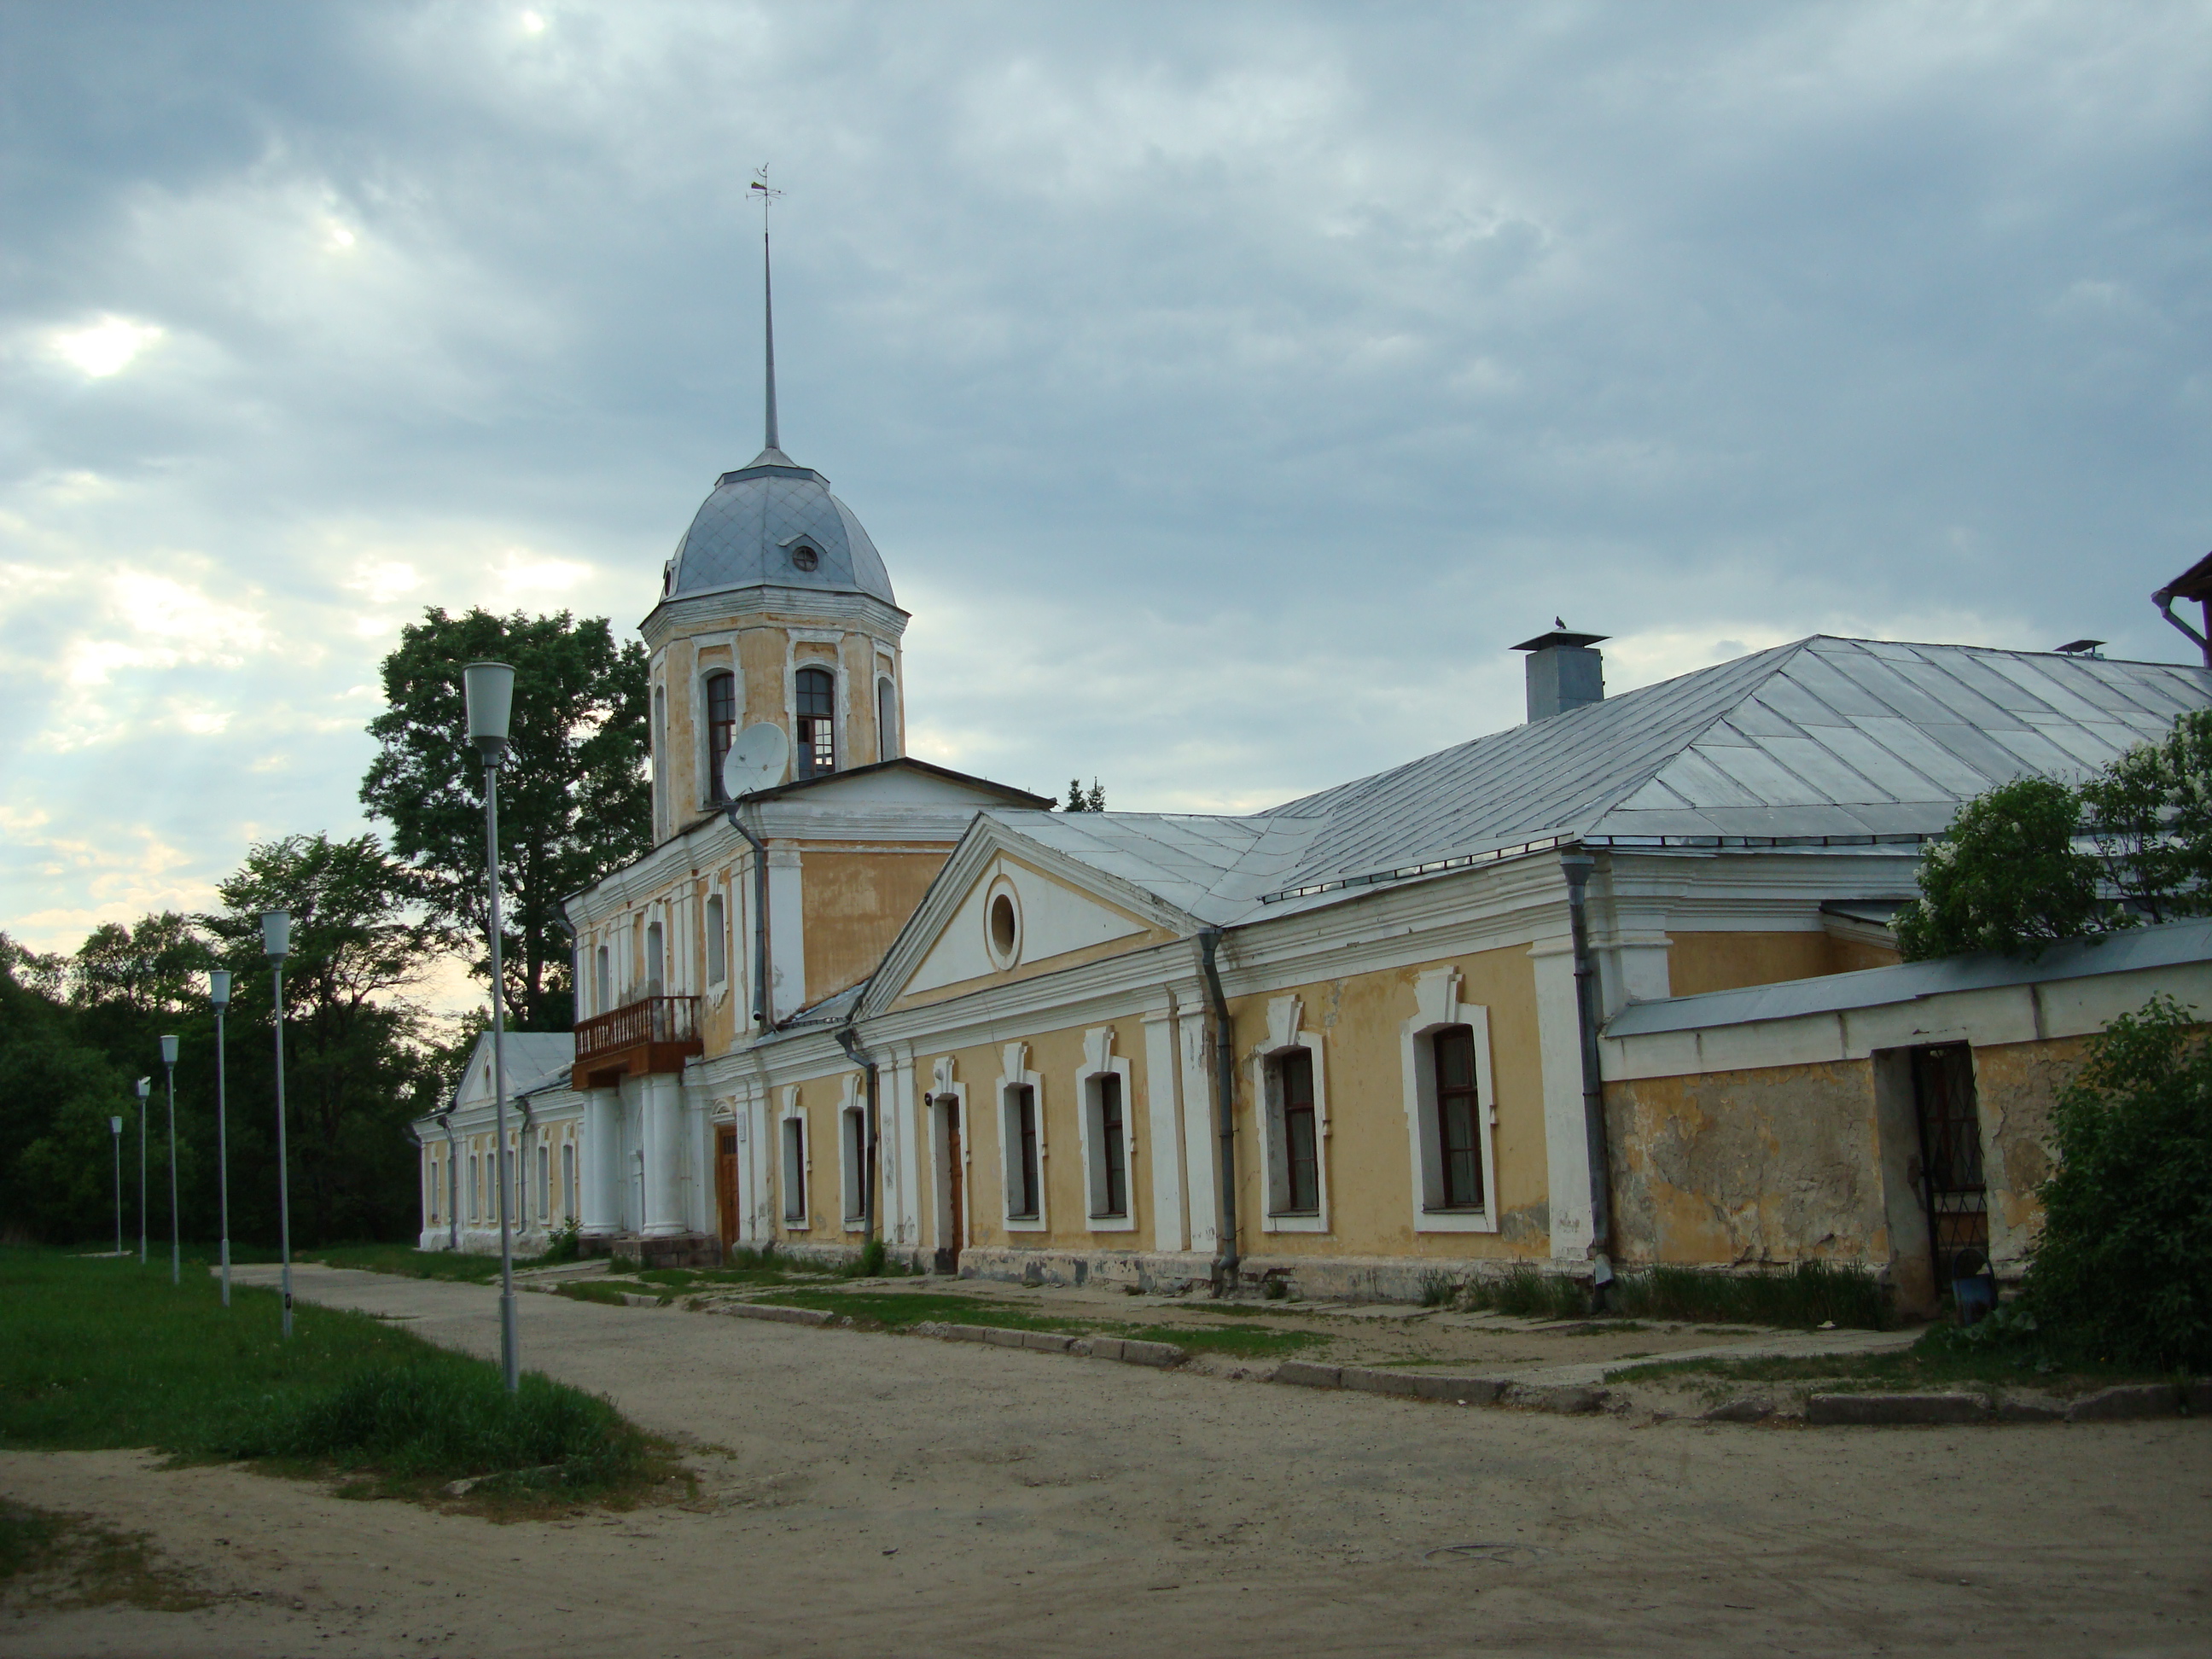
(1227, 387)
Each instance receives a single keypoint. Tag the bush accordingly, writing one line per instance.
(1529, 1294)
(2005, 877)
(1810, 1293)
(564, 1244)
(2123, 1270)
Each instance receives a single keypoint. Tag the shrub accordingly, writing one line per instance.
(565, 1244)
(1810, 1293)
(2005, 877)
(2122, 1270)
(1529, 1294)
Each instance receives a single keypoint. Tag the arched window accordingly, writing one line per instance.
(887, 743)
(721, 729)
(653, 964)
(818, 723)
(717, 937)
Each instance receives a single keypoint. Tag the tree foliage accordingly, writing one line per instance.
(2037, 861)
(2123, 1268)
(1081, 801)
(574, 800)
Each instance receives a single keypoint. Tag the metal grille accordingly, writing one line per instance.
(1951, 1162)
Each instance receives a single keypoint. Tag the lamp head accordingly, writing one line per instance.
(490, 688)
(276, 934)
(145, 1087)
(168, 1051)
(219, 986)
(115, 1126)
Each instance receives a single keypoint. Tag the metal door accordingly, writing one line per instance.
(1951, 1179)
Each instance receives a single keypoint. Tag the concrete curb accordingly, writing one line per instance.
(1437, 1385)
(766, 1310)
(1878, 1409)
(1128, 1350)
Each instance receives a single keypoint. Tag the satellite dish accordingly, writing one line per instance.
(755, 761)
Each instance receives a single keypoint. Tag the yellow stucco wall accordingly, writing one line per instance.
(1697, 962)
(855, 904)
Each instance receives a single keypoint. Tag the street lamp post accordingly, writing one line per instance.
(115, 1129)
(277, 944)
(219, 995)
(176, 1229)
(490, 689)
(145, 1089)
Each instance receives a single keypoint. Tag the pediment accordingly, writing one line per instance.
(1055, 918)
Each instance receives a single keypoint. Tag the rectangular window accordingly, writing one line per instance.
(1109, 1178)
(721, 729)
(795, 1171)
(855, 1142)
(1022, 1171)
(717, 941)
(475, 1187)
(1290, 1077)
(568, 1182)
(544, 1183)
(816, 710)
(1457, 1105)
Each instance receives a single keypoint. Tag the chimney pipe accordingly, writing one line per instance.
(1563, 672)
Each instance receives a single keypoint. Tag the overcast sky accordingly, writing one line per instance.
(1227, 388)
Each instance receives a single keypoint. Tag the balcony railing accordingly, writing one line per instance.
(653, 1034)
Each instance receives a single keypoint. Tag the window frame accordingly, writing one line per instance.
(1287, 1031)
(803, 749)
(1014, 1078)
(716, 921)
(720, 734)
(1436, 1008)
(852, 1154)
(887, 718)
(794, 1167)
(1100, 1066)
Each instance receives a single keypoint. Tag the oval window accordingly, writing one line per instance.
(1002, 925)
(804, 557)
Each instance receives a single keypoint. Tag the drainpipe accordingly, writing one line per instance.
(760, 920)
(2164, 600)
(1576, 863)
(850, 1044)
(1224, 1096)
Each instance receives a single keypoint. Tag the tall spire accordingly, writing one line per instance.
(767, 194)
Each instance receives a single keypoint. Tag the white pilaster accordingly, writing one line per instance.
(1202, 1183)
(1164, 1108)
(1566, 1138)
(600, 1202)
(661, 1122)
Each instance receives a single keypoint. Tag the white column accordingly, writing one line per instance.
(1566, 1137)
(1202, 1184)
(600, 1204)
(661, 1120)
(1163, 1106)
(787, 933)
(699, 1184)
(895, 1158)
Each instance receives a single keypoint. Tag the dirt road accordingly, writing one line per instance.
(866, 1494)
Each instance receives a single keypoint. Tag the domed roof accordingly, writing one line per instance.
(774, 523)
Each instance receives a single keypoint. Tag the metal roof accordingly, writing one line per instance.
(749, 533)
(1851, 741)
(2171, 946)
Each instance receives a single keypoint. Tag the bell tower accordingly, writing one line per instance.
(777, 610)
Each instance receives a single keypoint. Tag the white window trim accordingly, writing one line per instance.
(887, 743)
(841, 752)
(793, 1112)
(1100, 1060)
(1436, 1006)
(717, 899)
(1014, 1072)
(1286, 1031)
(703, 745)
(943, 1087)
(852, 1183)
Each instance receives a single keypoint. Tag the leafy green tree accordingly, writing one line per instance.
(2123, 1268)
(357, 1065)
(2005, 877)
(574, 798)
(56, 1154)
(2150, 813)
(151, 967)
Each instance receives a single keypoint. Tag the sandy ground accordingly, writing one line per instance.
(865, 1494)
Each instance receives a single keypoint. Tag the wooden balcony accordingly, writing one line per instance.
(653, 1034)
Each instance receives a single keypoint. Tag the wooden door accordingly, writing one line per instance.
(726, 1186)
(954, 1225)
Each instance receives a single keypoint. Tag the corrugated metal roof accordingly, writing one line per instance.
(1824, 737)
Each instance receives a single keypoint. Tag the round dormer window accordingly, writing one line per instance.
(804, 557)
(1002, 924)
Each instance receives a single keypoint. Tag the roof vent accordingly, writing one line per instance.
(1563, 672)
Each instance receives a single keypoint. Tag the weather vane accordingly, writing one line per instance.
(762, 190)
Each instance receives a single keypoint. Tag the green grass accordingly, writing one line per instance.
(1807, 1295)
(1527, 1294)
(73, 1561)
(601, 1289)
(896, 1310)
(405, 1260)
(1942, 1359)
(103, 1354)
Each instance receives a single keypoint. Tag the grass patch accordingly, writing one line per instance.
(98, 1355)
(896, 1310)
(1943, 1357)
(1238, 1342)
(599, 1289)
(411, 1263)
(1807, 1295)
(1526, 1293)
(58, 1561)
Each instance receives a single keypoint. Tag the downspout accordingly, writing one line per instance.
(2164, 600)
(850, 1044)
(1577, 864)
(760, 920)
(1225, 1258)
